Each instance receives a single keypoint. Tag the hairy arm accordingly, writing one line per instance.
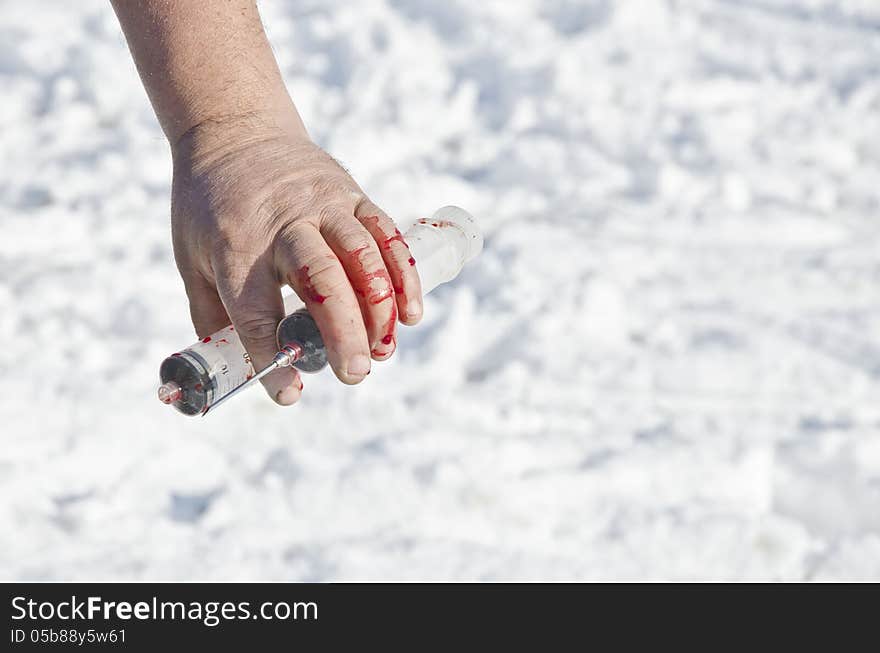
(205, 61)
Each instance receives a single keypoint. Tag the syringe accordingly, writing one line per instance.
(213, 370)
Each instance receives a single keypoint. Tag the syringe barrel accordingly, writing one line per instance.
(442, 244)
(213, 367)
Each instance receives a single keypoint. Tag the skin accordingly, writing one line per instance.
(255, 203)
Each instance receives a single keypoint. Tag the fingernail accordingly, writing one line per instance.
(287, 396)
(359, 365)
(413, 308)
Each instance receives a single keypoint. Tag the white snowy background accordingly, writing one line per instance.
(665, 365)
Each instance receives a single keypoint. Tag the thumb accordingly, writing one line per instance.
(252, 299)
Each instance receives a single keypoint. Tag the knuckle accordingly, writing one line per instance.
(357, 197)
(330, 212)
(257, 328)
(322, 187)
(315, 189)
(364, 206)
(371, 260)
(383, 218)
(326, 277)
(292, 235)
(385, 226)
(318, 279)
(353, 237)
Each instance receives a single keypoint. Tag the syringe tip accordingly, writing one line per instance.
(288, 354)
(169, 392)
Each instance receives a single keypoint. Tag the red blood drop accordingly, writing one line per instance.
(412, 261)
(397, 236)
(389, 330)
(305, 283)
(206, 339)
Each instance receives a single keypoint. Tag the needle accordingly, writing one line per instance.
(287, 356)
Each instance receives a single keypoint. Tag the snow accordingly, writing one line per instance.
(665, 364)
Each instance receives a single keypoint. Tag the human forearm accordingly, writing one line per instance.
(206, 61)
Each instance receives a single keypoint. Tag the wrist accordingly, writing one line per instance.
(220, 131)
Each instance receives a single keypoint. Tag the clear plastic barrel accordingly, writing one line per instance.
(442, 244)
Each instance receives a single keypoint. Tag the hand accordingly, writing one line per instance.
(254, 208)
